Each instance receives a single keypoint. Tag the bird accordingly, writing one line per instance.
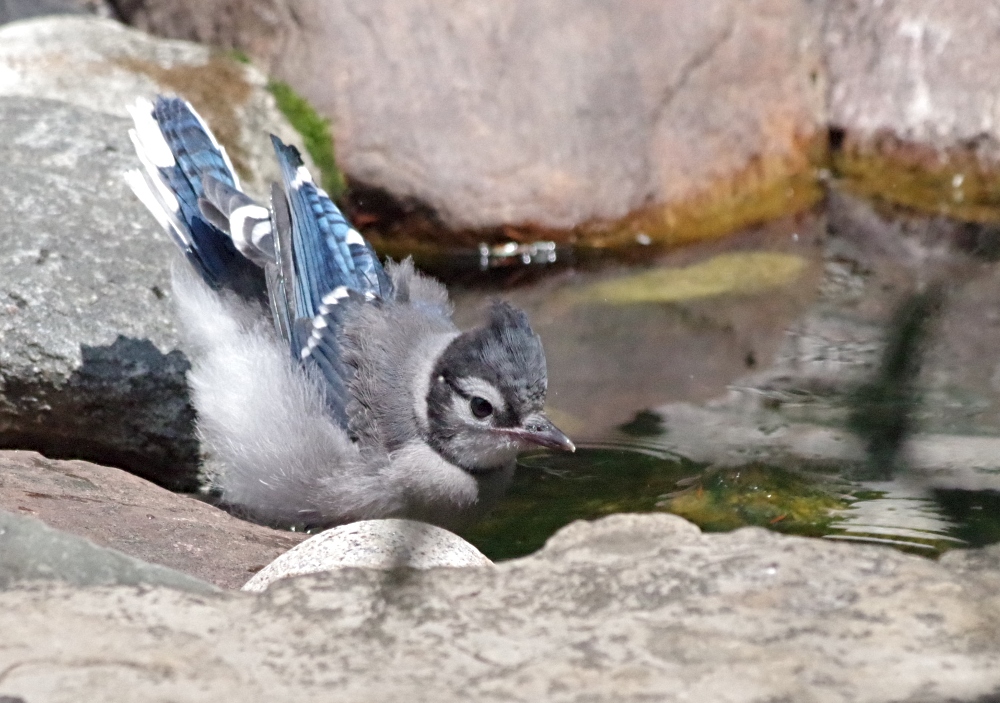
(329, 388)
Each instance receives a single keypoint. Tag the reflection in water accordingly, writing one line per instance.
(552, 490)
(897, 514)
(742, 404)
(681, 331)
(883, 409)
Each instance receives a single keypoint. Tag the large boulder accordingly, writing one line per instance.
(104, 66)
(628, 608)
(89, 362)
(588, 119)
(912, 102)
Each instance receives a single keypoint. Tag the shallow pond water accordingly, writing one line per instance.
(835, 374)
(551, 491)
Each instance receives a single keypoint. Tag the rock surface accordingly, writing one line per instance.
(102, 65)
(919, 69)
(628, 608)
(30, 551)
(12, 10)
(371, 544)
(548, 116)
(912, 99)
(133, 516)
(89, 365)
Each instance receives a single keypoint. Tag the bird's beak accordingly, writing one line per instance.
(539, 430)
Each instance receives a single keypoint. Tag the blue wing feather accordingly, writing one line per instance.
(320, 266)
(210, 250)
(328, 252)
(332, 268)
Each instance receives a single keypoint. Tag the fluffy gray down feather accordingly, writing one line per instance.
(271, 449)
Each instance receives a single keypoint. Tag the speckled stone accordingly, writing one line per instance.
(372, 544)
(627, 609)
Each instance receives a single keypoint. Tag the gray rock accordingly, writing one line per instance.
(543, 114)
(102, 65)
(918, 69)
(371, 544)
(629, 608)
(31, 551)
(133, 516)
(11, 10)
(89, 365)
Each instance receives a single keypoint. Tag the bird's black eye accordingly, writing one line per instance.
(480, 407)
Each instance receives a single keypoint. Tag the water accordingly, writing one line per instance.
(551, 491)
(834, 375)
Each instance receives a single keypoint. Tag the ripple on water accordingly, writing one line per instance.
(552, 490)
(897, 514)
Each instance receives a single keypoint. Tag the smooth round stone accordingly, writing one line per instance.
(371, 544)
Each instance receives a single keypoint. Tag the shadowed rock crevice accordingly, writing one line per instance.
(133, 392)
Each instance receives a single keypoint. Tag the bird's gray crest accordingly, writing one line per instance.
(506, 352)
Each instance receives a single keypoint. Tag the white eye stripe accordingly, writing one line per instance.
(473, 386)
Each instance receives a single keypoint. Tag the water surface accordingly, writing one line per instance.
(834, 375)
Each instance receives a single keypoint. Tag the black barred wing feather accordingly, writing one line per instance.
(323, 267)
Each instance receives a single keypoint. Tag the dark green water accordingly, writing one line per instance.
(552, 490)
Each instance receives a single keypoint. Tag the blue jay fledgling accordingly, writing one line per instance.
(329, 389)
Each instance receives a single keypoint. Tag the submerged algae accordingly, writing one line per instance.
(732, 273)
(550, 491)
(757, 495)
(957, 182)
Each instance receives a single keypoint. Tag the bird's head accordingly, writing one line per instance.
(487, 393)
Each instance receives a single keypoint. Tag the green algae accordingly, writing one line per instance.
(732, 273)
(768, 188)
(550, 491)
(239, 56)
(315, 131)
(757, 495)
(952, 182)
